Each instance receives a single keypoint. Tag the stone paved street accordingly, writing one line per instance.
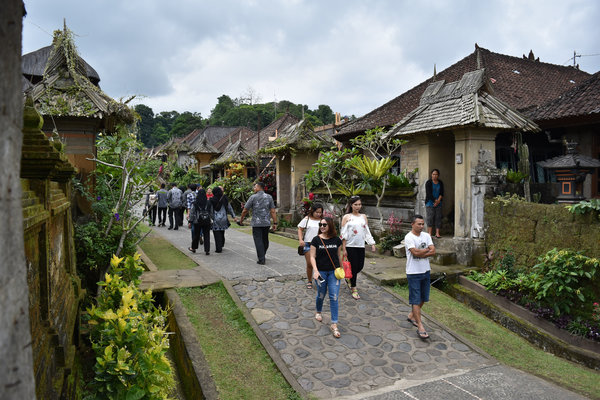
(379, 355)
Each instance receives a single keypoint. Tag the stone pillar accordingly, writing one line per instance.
(16, 369)
(468, 143)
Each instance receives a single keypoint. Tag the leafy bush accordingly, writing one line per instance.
(583, 207)
(128, 336)
(400, 181)
(515, 176)
(389, 241)
(237, 188)
(565, 280)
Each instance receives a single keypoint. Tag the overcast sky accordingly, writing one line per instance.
(351, 55)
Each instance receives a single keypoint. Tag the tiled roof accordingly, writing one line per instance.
(522, 83)
(583, 100)
(465, 102)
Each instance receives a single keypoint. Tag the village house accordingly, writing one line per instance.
(470, 114)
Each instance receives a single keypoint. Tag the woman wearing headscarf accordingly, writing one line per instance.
(222, 207)
(201, 215)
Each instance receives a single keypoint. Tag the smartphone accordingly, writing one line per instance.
(320, 279)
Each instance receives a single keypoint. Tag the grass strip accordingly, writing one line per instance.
(514, 351)
(164, 255)
(238, 363)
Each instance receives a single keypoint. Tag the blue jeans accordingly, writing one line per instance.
(331, 284)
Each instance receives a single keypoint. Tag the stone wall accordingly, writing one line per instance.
(54, 287)
(531, 229)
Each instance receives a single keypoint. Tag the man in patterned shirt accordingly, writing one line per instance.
(189, 200)
(261, 205)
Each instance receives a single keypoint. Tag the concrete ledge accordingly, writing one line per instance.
(194, 372)
(273, 353)
(521, 321)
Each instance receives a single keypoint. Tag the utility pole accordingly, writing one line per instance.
(575, 55)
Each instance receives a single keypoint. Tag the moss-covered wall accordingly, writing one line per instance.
(54, 287)
(531, 229)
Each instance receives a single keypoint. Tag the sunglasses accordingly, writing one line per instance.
(322, 224)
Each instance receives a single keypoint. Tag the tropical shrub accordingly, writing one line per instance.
(129, 338)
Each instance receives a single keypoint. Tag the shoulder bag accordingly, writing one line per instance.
(301, 248)
(339, 272)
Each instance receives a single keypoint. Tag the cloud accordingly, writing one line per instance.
(351, 55)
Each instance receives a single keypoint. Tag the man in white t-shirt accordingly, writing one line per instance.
(419, 247)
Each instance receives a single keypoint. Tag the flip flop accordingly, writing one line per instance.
(423, 335)
(309, 285)
(412, 321)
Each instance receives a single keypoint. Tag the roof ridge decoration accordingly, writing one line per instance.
(466, 102)
(298, 136)
(65, 89)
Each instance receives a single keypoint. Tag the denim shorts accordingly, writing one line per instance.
(418, 287)
(306, 247)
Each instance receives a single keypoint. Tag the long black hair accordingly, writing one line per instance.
(201, 200)
(219, 199)
(351, 201)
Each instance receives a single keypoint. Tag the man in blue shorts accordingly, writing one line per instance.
(419, 247)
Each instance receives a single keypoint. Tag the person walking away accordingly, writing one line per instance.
(434, 193)
(419, 247)
(325, 255)
(185, 190)
(221, 207)
(189, 201)
(174, 199)
(151, 206)
(308, 228)
(261, 205)
(201, 216)
(355, 233)
(162, 204)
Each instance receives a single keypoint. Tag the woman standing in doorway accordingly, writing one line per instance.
(434, 192)
(308, 228)
(355, 233)
(325, 254)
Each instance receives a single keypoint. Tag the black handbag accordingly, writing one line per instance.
(300, 250)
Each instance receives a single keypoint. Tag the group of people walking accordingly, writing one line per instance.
(318, 239)
(205, 213)
(324, 250)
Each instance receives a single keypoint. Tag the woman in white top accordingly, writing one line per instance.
(355, 233)
(308, 228)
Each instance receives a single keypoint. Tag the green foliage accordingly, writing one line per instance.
(129, 337)
(586, 206)
(388, 242)
(331, 169)
(377, 144)
(565, 280)
(237, 188)
(400, 181)
(515, 176)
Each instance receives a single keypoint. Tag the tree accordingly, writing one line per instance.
(374, 166)
(217, 114)
(16, 373)
(145, 125)
(325, 114)
(185, 123)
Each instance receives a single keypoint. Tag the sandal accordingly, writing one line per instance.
(192, 250)
(355, 295)
(423, 335)
(309, 285)
(348, 284)
(335, 331)
(319, 317)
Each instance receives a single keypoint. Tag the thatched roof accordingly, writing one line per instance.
(463, 103)
(234, 152)
(66, 91)
(257, 142)
(298, 136)
(570, 160)
(33, 66)
(203, 146)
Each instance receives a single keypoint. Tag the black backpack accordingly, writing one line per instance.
(201, 216)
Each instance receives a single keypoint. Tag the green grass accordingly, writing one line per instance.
(164, 255)
(514, 350)
(240, 366)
